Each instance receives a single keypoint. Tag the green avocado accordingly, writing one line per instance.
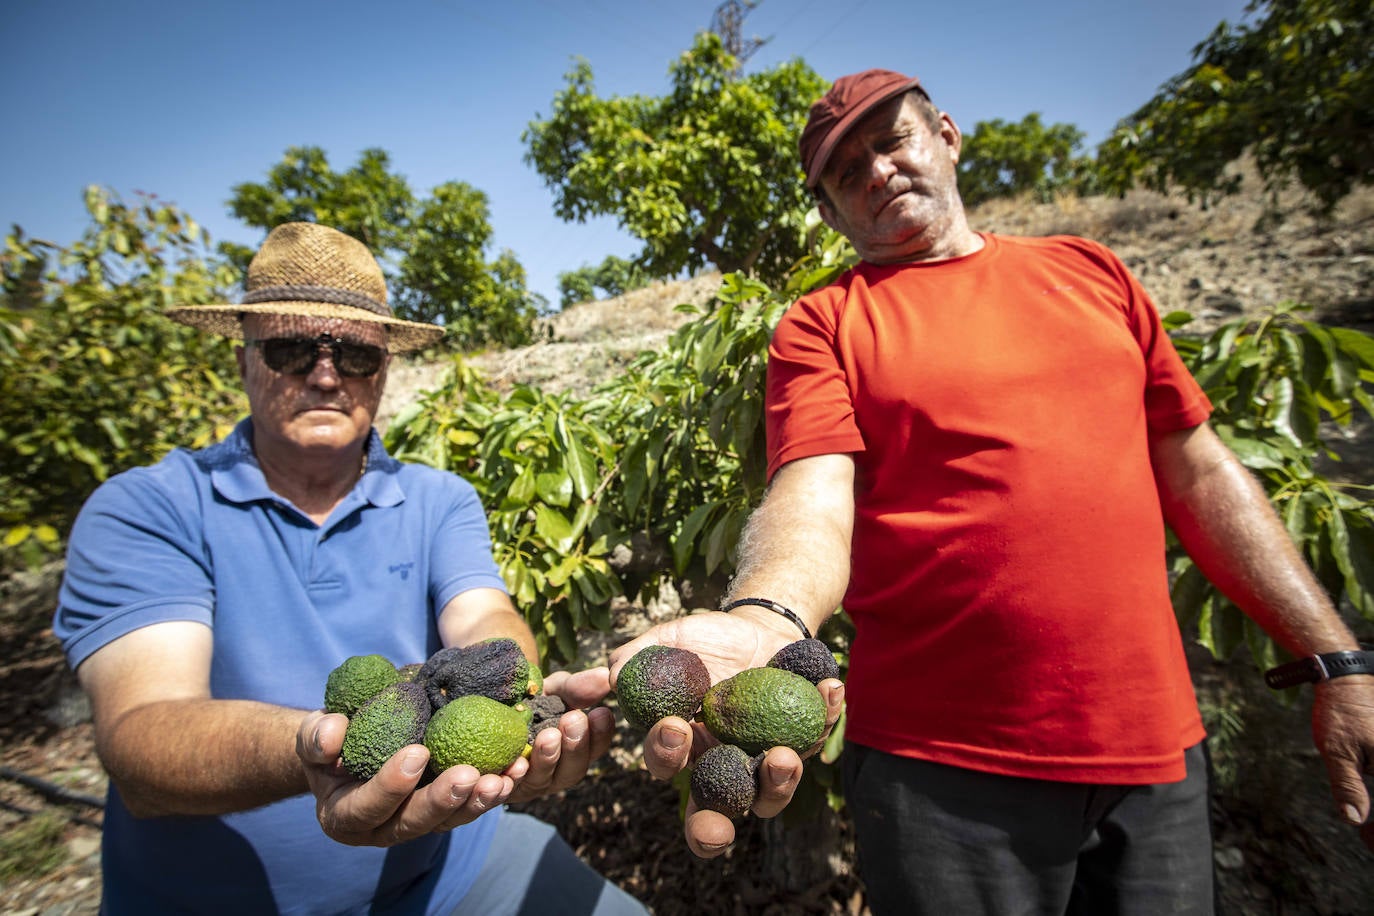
(660, 681)
(477, 731)
(761, 708)
(356, 680)
(392, 719)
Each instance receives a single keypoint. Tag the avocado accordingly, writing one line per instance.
(724, 780)
(544, 712)
(810, 658)
(392, 719)
(356, 680)
(477, 731)
(761, 708)
(495, 668)
(660, 681)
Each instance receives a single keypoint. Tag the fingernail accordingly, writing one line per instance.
(779, 776)
(1352, 814)
(413, 764)
(673, 738)
(315, 740)
(459, 792)
(576, 730)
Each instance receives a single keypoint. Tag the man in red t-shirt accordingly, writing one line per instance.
(975, 442)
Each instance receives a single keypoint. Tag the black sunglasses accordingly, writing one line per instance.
(298, 355)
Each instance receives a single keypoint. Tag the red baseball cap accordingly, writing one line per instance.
(834, 113)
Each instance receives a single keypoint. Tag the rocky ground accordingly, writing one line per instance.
(1279, 849)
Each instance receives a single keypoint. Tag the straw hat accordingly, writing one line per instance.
(309, 269)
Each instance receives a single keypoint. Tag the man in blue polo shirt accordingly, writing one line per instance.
(207, 598)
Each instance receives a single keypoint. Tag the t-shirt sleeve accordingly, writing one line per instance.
(461, 553)
(809, 407)
(132, 561)
(1173, 398)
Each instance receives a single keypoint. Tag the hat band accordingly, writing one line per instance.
(316, 294)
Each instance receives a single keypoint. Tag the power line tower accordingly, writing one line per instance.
(726, 22)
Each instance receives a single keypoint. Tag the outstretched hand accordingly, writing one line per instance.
(1343, 728)
(392, 807)
(727, 644)
(388, 808)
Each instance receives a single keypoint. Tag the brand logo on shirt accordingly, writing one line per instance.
(402, 568)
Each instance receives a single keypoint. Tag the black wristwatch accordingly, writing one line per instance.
(1316, 668)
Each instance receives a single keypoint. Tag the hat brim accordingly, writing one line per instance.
(402, 336)
(842, 126)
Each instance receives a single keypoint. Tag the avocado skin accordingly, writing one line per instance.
(661, 681)
(809, 658)
(356, 680)
(395, 717)
(760, 708)
(476, 731)
(724, 780)
(494, 668)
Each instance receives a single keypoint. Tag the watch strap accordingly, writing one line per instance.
(1316, 668)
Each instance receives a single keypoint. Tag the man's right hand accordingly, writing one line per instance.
(388, 809)
(727, 644)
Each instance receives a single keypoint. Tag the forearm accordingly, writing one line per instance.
(1223, 518)
(202, 757)
(795, 547)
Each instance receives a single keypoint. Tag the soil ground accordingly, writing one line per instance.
(1279, 847)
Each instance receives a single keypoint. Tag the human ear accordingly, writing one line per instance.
(953, 137)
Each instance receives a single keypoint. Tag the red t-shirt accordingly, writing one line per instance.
(1008, 586)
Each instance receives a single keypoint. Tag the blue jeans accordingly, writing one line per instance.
(935, 839)
(530, 870)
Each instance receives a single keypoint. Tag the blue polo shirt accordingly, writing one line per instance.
(200, 537)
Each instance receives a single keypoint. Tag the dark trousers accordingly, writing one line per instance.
(935, 839)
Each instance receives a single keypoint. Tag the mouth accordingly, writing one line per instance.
(883, 205)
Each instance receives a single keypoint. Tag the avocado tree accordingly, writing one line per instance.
(1294, 88)
(434, 249)
(93, 379)
(614, 276)
(706, 174)
(1003, 159)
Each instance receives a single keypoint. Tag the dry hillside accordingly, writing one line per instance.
(1279, 848)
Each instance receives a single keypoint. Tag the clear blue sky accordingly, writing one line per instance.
(185, 99)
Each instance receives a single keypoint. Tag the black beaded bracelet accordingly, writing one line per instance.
(772, 606)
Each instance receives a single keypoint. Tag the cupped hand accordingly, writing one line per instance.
(727, 644)
(389, 808)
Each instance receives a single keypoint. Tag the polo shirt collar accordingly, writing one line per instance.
(237, 477)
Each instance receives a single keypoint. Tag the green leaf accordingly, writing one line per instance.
(578, 462)
(554, 527)
(554, 489)
(1353, 550)
(1190, 590)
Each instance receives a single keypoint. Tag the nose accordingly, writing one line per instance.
(324, 374)
(880, 169)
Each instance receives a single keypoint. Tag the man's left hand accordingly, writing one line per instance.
(1343, 728)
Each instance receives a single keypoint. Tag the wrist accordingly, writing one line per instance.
(1320, 668)
(772, 614)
